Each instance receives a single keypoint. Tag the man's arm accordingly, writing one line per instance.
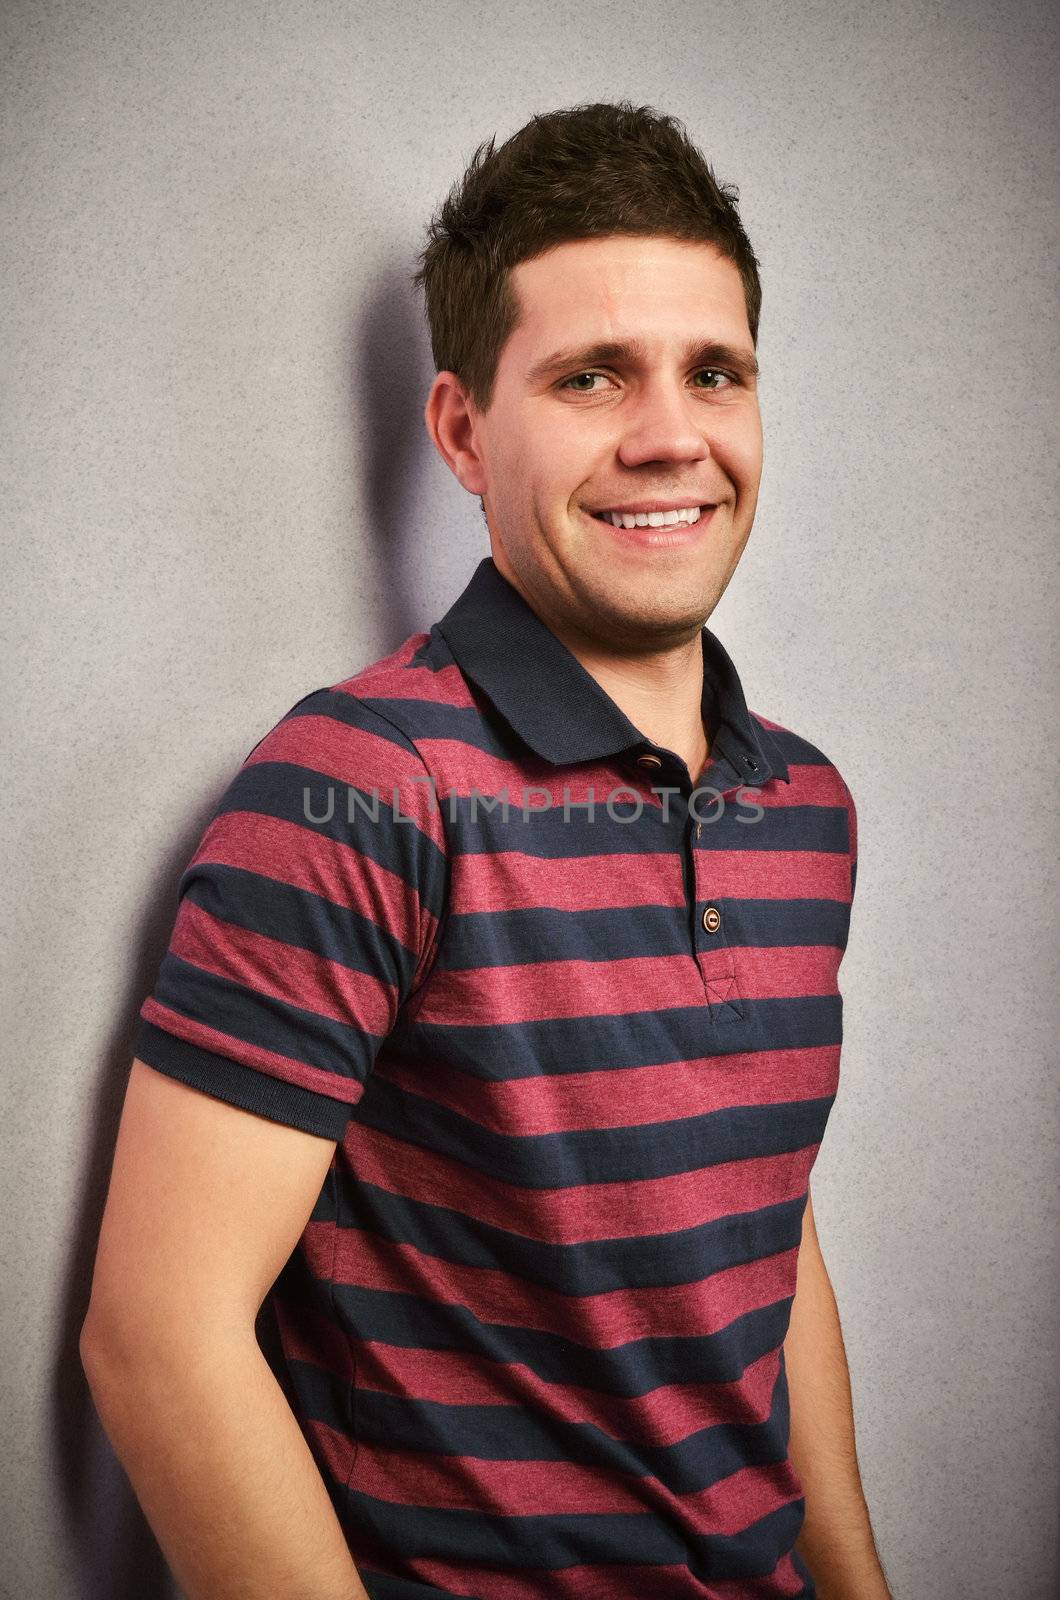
(206, 1203)
(836, 1539)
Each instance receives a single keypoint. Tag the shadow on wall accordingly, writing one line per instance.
(391, 372)
(115, 1554)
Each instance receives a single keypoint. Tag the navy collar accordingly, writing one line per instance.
(558, 708)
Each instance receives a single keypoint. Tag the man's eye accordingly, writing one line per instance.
(574, 378)
(712, 372)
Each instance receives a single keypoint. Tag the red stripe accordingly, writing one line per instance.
(785, 971)
(566, 1488)
(392, 678)
(625, 1096)
(436, 687)
(812, 786)
(352, 756)
(272, 969)
(541, 990)
(779, 875)
(601, 1321)
(663, 1416)
(508, 880)
(577, 1213)
(386, 669)
(307, 859)
(335, 1449)
(336, 749)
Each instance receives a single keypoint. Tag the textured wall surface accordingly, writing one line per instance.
(218, 495)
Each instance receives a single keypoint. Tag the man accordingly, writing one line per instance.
(500, 1023)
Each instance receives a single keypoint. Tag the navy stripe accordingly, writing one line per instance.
(592, 1266)
(298, 918)
(513, 938)
(480, 826)
(509, 1433)
(350, 814)
(553, 1542)
(240, 1085)
(499, 1051)
(594, 1155)
(412, 1322)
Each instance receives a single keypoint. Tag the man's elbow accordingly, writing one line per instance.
(106, 1345)
(124, 1339)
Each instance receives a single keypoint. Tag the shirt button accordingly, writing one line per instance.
(711, 919)
(649, 760)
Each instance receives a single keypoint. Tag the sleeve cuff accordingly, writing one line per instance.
(241, 1085)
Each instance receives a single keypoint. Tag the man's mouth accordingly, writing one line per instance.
(678, 516)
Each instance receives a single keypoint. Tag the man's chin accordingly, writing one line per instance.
(660, 610)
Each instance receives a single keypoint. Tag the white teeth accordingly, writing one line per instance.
(653, 519)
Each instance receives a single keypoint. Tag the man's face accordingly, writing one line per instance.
(670, 421)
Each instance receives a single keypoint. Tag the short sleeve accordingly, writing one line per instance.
(306, 917)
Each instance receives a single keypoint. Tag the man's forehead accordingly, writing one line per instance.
(622, 253)
(634, 300)
(648, 289)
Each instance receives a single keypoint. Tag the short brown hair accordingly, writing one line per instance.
(587, 171)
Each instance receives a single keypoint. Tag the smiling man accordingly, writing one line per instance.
(618, 460)
(500, 1023)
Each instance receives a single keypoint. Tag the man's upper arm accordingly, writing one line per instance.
(206, 1204)
(305, 918)
(300, 931)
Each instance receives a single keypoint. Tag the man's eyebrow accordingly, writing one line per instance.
(707, 353)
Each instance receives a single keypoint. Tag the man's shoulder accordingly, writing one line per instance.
(343, 762)
(809, 768)
(401, 674)
(395, 698)
(413, 689)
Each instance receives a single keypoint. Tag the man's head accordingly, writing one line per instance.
(599, 232)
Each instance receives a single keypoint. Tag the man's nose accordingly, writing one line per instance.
(664, 424)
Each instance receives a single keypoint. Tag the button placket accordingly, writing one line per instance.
(713, 954)
(711, 951)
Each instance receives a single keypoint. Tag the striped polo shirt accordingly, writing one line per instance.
(573, 1021)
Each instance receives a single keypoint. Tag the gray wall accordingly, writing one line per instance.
(219, 495)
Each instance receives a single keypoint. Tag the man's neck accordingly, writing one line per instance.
(661, 691)
(661, 694)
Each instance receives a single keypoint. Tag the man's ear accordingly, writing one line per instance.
(453, 424)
